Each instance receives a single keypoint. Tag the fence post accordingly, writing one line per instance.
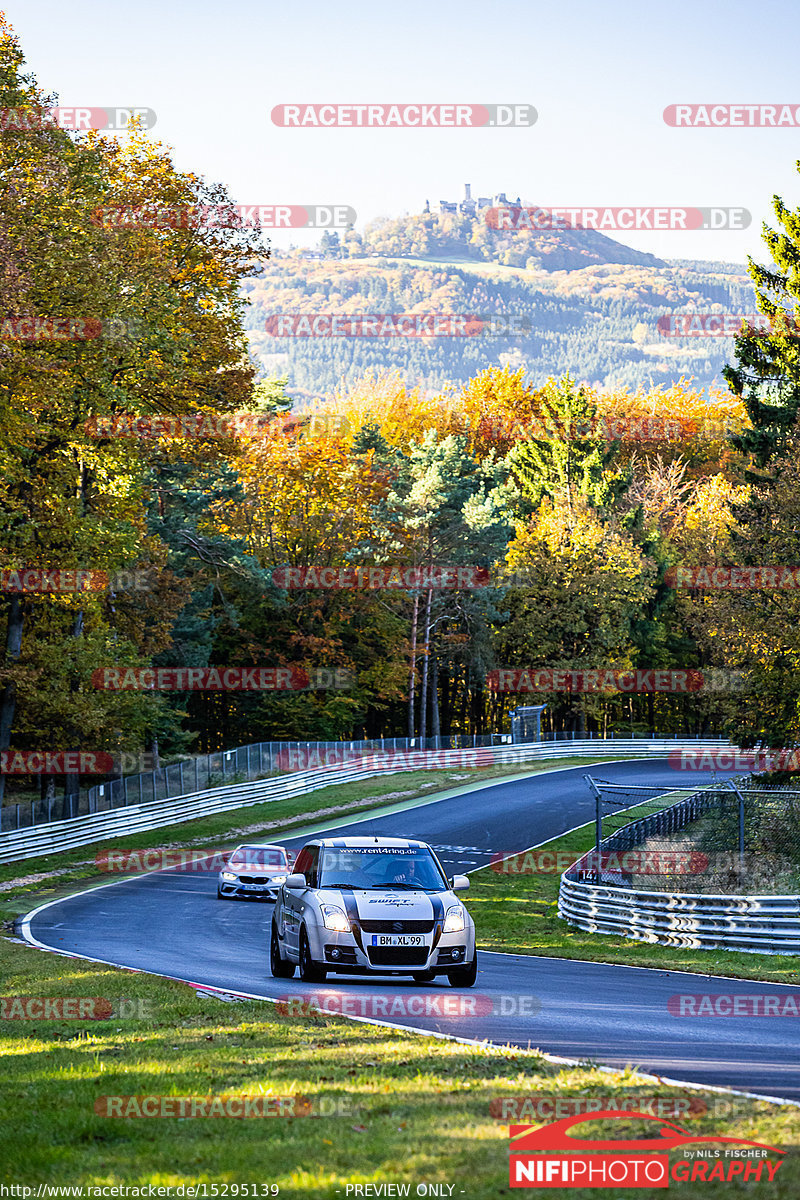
(598, 823)
(734, 788)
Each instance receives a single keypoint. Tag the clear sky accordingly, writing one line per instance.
(600, 76)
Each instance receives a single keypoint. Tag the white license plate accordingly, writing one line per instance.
(397, 939)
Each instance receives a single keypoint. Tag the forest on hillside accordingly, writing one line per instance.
(598, 322)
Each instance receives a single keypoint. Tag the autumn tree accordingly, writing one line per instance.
(567, 455)
(583, 583)
(444, 509)
(154, 315)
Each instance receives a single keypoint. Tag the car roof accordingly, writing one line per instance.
(345, 843)
(259, 846)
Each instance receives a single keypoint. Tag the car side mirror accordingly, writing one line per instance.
(295, 881)
(460, 883)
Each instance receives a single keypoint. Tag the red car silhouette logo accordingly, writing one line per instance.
(555, 1136)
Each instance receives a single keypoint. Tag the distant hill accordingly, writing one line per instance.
(587, 304)
(434, 236)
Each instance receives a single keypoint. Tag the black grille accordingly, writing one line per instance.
(252, 879)
(396, 926)
(398, 956)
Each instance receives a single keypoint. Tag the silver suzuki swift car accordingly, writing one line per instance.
(372, 906)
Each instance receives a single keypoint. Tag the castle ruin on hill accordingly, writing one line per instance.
(470, 207)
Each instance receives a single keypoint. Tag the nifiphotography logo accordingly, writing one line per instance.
(631, 1162)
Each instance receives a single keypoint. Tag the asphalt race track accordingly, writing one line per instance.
(170, 923)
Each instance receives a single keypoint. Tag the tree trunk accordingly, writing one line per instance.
(423, 700)
(412, 677)
(464, 722)
(8, 696)
(72, 783)
(435, 727)
(446, 686)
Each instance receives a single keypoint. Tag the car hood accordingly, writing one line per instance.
(400, 905)
(266, 872)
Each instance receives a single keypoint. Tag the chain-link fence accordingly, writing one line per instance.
(256, 761)
(738, 837)
(199, 772)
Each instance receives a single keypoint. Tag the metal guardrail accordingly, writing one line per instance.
(755, 924)
(242, 764)
(691, 920)
(38, 840)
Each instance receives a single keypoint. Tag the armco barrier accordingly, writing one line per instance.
(37, 840)
(754, 924)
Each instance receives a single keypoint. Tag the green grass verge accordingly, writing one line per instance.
(518, 914)
(23, 885)
(410, 1109)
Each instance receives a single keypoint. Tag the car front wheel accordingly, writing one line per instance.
(281, 968)
(310, 972)
(464, 976)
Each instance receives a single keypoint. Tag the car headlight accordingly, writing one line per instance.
(454, 920)
(279, 879)
(335, 919)
(228, 876)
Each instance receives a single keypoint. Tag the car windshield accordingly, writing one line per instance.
(258, 856)
(399, 868)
